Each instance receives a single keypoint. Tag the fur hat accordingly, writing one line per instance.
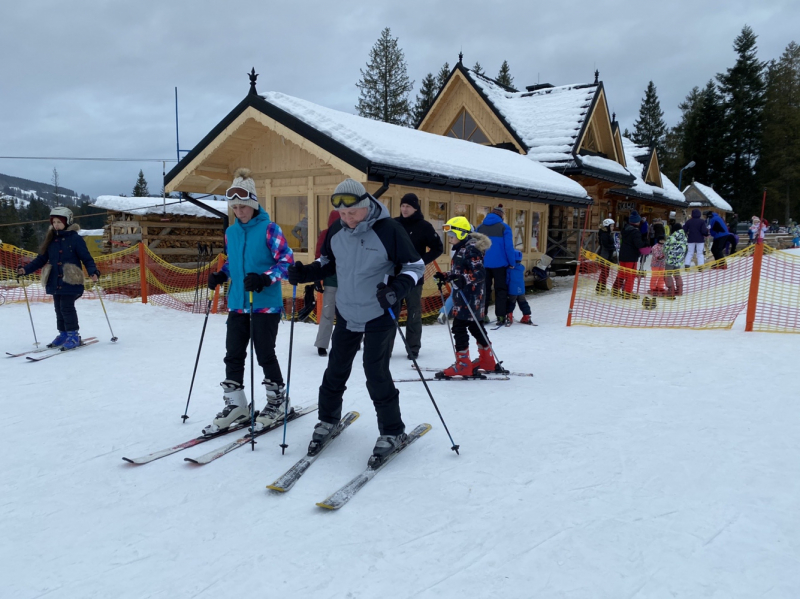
(242, 180)
(411, 199)
(354, 188)
(634, 218)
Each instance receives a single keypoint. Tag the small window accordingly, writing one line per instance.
(482, 213)
(291, 213)
(537, 217)
(437, 216)
(465, 127)
(520, 229)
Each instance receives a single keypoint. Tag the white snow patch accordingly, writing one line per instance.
(157, 205)
(712, 196)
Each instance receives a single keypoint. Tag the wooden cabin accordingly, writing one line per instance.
(299, 151)
(569, 130)
(704, 197)
(179, 232)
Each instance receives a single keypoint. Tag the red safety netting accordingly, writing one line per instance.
(778, 307)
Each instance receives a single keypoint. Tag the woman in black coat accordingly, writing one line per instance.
(607, 251)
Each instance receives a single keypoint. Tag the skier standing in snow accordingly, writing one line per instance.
(365, 249)
(696, 232)
(516, 291)
(675, 249)
(499, 257)
(258, 258)
(467, 275)
(60, 257)
(631, 248)
(607, 251)
(429, 246)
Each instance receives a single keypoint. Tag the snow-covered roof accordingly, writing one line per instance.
(548, 121)
(403, 148)
(143, 206)
(712, 196)
(91, 232)
(669, 193)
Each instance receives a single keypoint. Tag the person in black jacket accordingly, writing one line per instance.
(428, 245)
(607, 251)
(631, 246)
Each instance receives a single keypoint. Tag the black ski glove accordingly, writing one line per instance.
(441, 277)
(387, 296)
(216, 278)
(256, 282)
(458, 281)
(318, 287)
(296, 273)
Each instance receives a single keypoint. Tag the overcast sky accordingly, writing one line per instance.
(97, 79)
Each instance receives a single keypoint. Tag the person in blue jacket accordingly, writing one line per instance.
(60, 257)
(258, 259)
(498, 259)
(719, 231)
(516, 291)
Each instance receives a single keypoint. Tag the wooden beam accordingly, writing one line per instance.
(295, 174)
(174, 225)
(209, 238)
(214, 184)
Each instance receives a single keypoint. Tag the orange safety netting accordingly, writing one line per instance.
(711, 296)
(166, 285)
(778, 307)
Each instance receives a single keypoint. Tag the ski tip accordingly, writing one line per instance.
(130, 461)
(274, 487)
(424, 428)
(191, 461)
(326, 506)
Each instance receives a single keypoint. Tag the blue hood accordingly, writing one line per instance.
(492, 219)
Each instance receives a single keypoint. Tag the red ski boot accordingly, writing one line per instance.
(526, 319)
(462, 367)
(485, 360)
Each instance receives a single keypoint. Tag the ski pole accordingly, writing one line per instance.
(27, 303)
(424, 382)
(288, 371)
(252, 381)
(447, 320)
(196, 362)
(480, 326)
(102, 303)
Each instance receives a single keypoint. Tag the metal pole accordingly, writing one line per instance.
(196, 362)
(284, 445)
(27, 303)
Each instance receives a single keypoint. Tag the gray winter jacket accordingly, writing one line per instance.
(377, 250)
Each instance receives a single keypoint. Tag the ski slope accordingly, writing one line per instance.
(636, 463)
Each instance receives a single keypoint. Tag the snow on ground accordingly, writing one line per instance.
(637, 463)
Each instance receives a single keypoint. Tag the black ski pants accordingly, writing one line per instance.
(718, 246)
(497, 277)
(377, 351)
(461, 336)
(265, 331)
(66, 314)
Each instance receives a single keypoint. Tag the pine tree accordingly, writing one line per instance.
(504, 76)
(384, 86)
(56, 187)
(649, 129)
(779, 164)
(742, 89)
(442, 77)
(425, 98)
(477, 68)
(140, 189)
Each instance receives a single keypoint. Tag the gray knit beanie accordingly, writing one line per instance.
(241, 178)
(353, 187)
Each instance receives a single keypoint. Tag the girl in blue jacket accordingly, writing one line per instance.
(516, 291)
(60, 257)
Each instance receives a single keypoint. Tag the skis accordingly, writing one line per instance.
(58, 352)
(481, 377)
(345, 494)
(40, 349)
(503, 373)
(225, 449)
(508, 324)
(190, 443)
(293, 474)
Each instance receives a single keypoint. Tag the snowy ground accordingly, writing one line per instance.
(637, 463)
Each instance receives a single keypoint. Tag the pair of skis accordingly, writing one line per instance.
(225, 449)
(482, 375)
(42, 353)
(344, 494)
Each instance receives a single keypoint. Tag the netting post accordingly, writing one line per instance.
(220, 263)
(143, 271)
(578, 267)
(319, 306)
(755, 277)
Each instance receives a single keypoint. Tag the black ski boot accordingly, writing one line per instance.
(322, 432)
(385, 446)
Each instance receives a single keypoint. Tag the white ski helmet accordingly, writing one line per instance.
(62, 212)
(608, 222)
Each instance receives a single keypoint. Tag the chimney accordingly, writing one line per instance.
(538, 86)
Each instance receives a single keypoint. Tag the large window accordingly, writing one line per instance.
(465, 127)
(437, 216)
(481, 213)
(520, 229)
(291, 213)
(537, 218)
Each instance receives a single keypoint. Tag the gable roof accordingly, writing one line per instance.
(712, 197)
(640, 160)
(415, 158)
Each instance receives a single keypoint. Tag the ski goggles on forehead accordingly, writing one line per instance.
(241, 193)
(451, 228)
(346, 200)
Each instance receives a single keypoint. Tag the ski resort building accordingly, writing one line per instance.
(299, 151)
(703, 196)
(567, 129)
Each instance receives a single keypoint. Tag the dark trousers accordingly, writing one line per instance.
(265, 330)
(497, 277)
(66, 315)
(413, 301)
(522, 302)
(377, 351)
(718, 246)
(461, 337)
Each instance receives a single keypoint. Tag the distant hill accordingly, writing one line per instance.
(25, 189)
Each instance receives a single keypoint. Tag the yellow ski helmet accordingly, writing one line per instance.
(458, 226)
